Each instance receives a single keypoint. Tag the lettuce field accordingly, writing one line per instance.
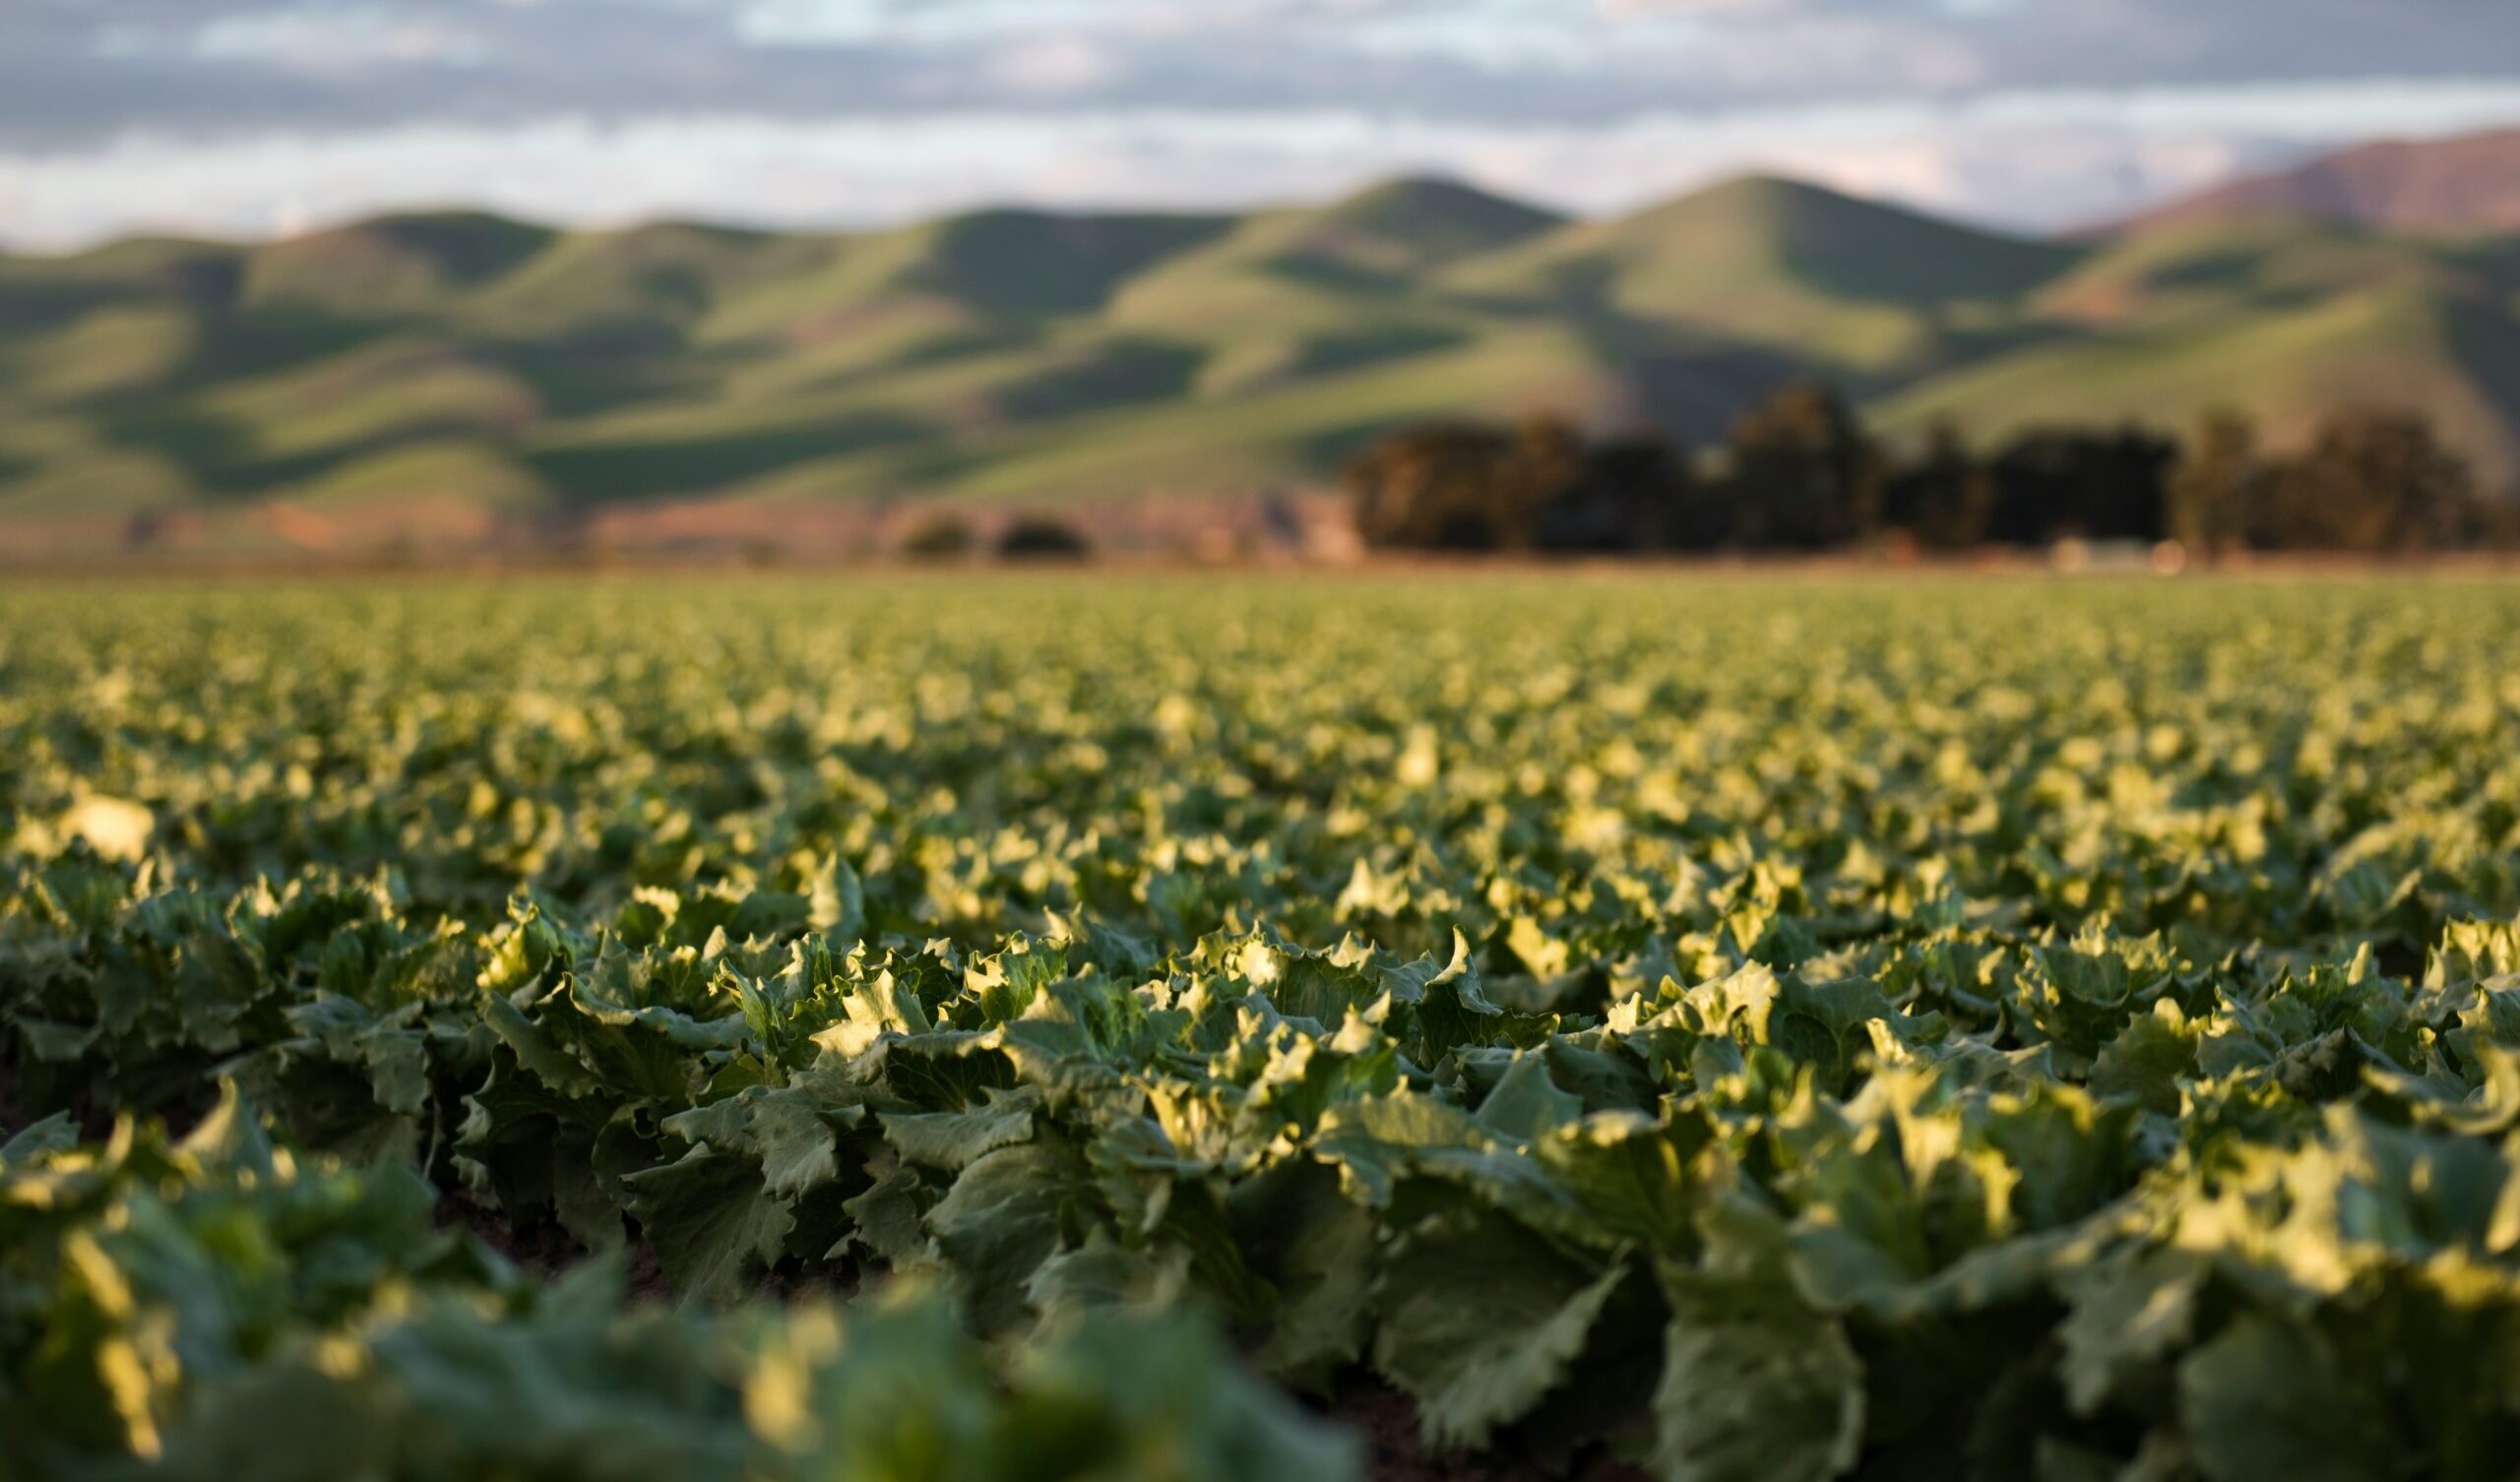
(1719, 1029)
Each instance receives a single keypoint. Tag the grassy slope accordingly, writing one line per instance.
(1863, 292)
(461, 360)
(2284, 320)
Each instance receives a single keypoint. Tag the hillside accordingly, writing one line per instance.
(2465, 185)
(1859, 290)
(2285, 320)
(439, 375)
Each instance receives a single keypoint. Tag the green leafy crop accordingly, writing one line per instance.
(1754, 1029)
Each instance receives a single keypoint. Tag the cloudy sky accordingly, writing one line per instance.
(261, 116)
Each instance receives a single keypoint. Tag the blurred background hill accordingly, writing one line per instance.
(2470, 184)
(459, 377)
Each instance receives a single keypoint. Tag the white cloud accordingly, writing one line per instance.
(339, 39)
(223, 112)
(2032, 161)
(1063, 67)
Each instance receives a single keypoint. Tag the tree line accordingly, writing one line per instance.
(1800, 472)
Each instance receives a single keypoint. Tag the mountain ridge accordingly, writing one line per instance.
(446, 361)
(2470, 183)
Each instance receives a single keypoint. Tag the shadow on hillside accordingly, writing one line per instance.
(1112, 374)
(647, 470)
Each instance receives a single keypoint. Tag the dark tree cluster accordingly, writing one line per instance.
(2375, 479)
(947, 537)
(1470, 487)
(1799, 473)
(1042, 538)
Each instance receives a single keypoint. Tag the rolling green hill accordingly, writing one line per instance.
(483, 369)
(2286, 319)
(1861, 291)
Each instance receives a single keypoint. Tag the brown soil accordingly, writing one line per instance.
(91, 1116)
(27, 563)
(12, 1120)
(1386, 1421)
(540, 1247)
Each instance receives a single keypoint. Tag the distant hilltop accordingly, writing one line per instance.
(2470, 184)
(450, 372)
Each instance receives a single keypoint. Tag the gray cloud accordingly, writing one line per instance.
(72, 74)
(243, 115)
